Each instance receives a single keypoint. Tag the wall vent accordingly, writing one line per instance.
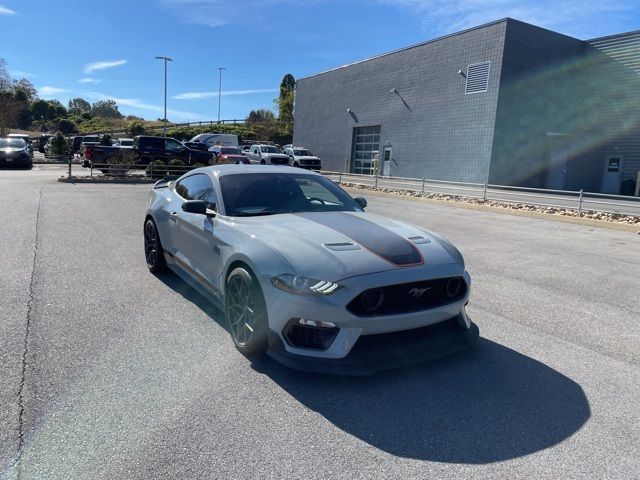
(477, 78)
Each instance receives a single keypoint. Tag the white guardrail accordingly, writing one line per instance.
(573, 199)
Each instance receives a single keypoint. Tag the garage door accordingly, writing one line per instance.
(366, 149)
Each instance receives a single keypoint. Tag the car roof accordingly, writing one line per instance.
(232, 169)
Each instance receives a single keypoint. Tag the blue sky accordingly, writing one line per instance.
(98, 49)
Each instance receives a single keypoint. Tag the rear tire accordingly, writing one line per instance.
(153, 252)
(246, 313)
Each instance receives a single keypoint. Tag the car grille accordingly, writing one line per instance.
(306, 336)
(280, 161)
(408, 297)
(310, 162)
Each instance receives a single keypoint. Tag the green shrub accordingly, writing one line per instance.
(135, 128)
(59, 144)
(157, 169)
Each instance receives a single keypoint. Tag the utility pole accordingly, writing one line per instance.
(164, 120)
(220, 90)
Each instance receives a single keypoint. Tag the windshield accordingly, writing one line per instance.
(126, 143)
(251, 194)
(269, 149)
(230, 151)
(91, 139)
(12, 143)
(303, 153)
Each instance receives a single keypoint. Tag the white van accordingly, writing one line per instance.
(211, 139)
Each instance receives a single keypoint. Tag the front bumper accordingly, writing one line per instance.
(14, 161)
(374, 353)
(283, 306)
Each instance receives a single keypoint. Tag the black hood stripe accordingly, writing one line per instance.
(378, 240)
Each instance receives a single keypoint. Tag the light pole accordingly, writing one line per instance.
(164, 120)
(220, 90)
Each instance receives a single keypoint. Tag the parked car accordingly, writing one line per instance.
(27, 140)
(303, 158)
(147, 149)
(42, 141)
(228, 155)
(211, 139)
(267, 154)
(305, 274)
(14, 152)
(197, 146)
(124, 142)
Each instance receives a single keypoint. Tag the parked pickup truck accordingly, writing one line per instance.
(266, 154)
(146, 149)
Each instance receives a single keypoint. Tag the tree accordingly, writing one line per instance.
(10, 110)
(78, 106)
(56, 109)
(5, 78)
(260, 115)
(66, 126)
(25, 89)
(285, 101)
(106, 109)
(59, 144)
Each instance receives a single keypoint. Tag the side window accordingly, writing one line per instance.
(172, 145)
(196, 187)
(153, 142)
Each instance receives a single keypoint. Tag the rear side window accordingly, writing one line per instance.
(152, 142)
(196, 187)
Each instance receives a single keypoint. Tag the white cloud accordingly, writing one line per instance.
(199, 95)
(47, 91)
(6, 11)
(89, 80)
(92, 67)
(137, 104)
(21, 74)
(580, 18)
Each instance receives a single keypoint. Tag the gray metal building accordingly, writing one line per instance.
(506, 103)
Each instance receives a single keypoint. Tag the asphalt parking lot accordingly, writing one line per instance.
(107, 371)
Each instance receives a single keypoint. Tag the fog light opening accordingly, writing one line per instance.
(453, 287)
(372, 299)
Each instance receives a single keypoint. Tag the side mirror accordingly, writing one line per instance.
(361, 201)
(195, 206)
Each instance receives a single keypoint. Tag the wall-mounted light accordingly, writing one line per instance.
(393, 90)
(348, 110)
(461, 73)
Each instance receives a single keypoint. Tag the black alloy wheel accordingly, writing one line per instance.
(246, 312)
(153, 252)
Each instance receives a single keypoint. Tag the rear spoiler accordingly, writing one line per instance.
(165, 182)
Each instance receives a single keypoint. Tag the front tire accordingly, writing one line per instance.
(153, 251)
(246, 313)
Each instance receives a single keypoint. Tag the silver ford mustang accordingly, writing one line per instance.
(305, 274)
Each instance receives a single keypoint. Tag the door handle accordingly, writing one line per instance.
(173, 216)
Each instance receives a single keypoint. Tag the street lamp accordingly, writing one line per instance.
(164, 120)
(220, 90)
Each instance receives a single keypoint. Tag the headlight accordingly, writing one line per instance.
(299, 285)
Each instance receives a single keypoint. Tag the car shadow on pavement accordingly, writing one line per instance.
(487, 405)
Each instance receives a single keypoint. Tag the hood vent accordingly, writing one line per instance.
(341, 247)
(419, 240)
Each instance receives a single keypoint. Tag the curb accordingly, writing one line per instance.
(507, 211)
(130, 181)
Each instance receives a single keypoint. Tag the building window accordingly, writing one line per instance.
(477, 77)
(366, 150)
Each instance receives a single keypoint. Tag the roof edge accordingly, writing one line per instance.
(606, 37)
(415, 45)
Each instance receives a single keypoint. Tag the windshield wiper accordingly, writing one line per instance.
(258, 213)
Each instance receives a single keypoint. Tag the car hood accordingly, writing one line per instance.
(306, 157)
(337, 245)
(278, 155)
